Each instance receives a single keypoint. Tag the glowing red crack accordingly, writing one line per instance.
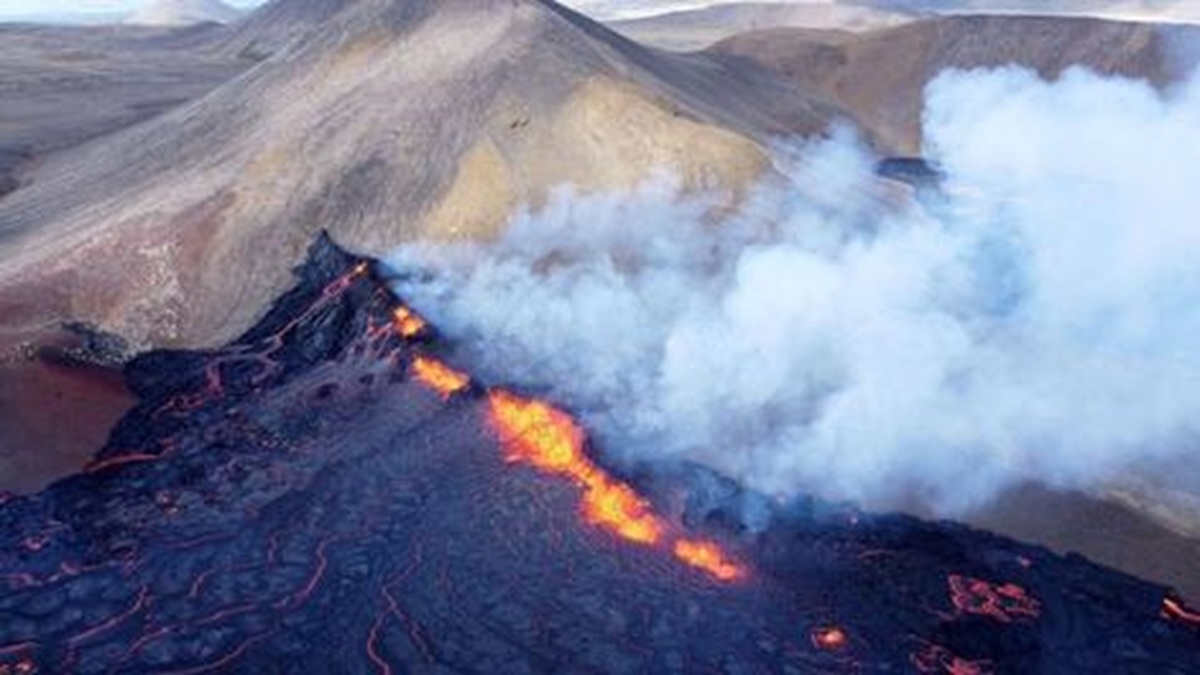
(1002, 602)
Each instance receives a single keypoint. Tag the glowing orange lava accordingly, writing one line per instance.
(407, 322)
(535, 433)
(548, 439)
(538, 434)
(830, 638)
(438, 376)
(709, 557)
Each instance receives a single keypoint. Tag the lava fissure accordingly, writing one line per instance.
(538, 434)
(439, 377)
(328, 514)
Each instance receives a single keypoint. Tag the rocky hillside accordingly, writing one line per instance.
(880, 75)
(388, 121)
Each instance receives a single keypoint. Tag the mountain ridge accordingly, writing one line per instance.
(393, 121)
(880, 75)
(183, 13)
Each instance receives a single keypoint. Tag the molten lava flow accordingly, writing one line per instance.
(830, 638)
(439, 377)
(1173, 609)
(617, 507)
(1003, 603)
(709, 557)
(407, 322)
(937, 659)
(538, 434)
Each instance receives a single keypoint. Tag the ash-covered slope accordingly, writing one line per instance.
(65, 85)
(60, 87)
(277, 24)
(880, 76)
(304, 500)
(393, 120)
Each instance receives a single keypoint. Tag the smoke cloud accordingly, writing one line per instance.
(1035, 319)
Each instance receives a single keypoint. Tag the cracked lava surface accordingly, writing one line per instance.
(328, 494)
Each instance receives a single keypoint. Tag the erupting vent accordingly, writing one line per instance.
(439, 377)
(709, 557)
(535, 433)
(298, 501)
(408, 323)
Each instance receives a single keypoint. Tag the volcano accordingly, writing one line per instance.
(329, 492)
(389, 120)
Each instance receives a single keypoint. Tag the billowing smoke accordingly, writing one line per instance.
(1035, 319)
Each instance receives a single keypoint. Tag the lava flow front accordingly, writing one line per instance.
(298, 502)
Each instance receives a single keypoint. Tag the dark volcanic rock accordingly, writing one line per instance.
(912, 170)
(298, 502)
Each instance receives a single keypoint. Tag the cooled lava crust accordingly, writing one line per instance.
(300, 501)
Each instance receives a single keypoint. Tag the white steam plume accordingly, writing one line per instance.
(1038, 319)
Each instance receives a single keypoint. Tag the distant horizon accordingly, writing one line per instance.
(103, 11)
(85, 11)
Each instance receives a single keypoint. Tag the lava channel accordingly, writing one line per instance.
(535, 433)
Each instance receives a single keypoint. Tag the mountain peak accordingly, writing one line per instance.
(183, 13)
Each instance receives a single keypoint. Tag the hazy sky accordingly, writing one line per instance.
(1188, 10)
(42, 7)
